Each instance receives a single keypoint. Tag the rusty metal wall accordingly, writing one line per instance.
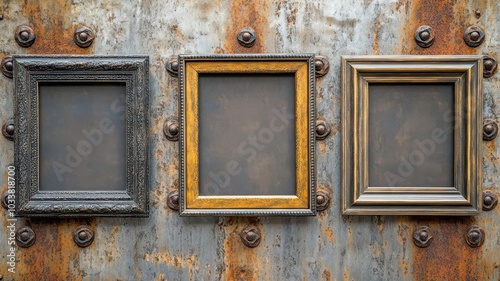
(327, 247)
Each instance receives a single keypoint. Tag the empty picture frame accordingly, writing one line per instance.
(81, 135)
(246, 135)
(411, 135)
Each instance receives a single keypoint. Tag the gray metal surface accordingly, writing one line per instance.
(327, 247)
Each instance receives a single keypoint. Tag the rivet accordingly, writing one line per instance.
(424, 36)
(172, 66)
(171, 129)
(175, 66)
(25, 237)
(7, 67)
(322, 200)
(318, 65)
(321, 66)
(490, 200)
(173, 200)
(422, 236)
(8, 129)
(475, 236)
(250, 236)
(5, 198)
(246, 37)
(489, 66)
(1, 17)
(322, 130)
(83, 236)
(25, 36)
(83, 36)
(490, 129)
(478, 13)
(473, 36)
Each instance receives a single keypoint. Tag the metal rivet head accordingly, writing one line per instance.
(490, 130)
(475, 236)
(171, 129)
(83, 36)
(318, 65)
(322, 130)
(1, 17)
(7, 67)
(322, 200)
(477, 13)
(489, 66)
(83, 236)
(172, 66)
(473, 36)
(490, 200)
(422, 236)
(5, 198)
(25, 36)
(321, 66)
(8, 129)
(424, 36)
(246, 37)
(25, 237)
(175, 66)
(173, 200)
(250, 236)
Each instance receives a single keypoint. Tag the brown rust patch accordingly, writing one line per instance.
(448, 257)
(247, 13)
(448, 19)
(54, 256)
(54, 25)
(240, 261)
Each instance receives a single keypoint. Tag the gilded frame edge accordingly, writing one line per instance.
(211, 207)
(28, 70)
(466, 203)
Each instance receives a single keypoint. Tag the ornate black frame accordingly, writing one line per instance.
(31, 69)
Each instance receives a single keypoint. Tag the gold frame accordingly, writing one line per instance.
(192, 203)
(360, 199)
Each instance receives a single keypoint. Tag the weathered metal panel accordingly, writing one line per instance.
(327, 247)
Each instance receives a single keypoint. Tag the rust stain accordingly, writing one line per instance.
(54, 256)
(240, 261)
(376, 38)
(54, 27)
(327, 276)
(448, 19)
(247, 13)
(448, 257)
(328, 232)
